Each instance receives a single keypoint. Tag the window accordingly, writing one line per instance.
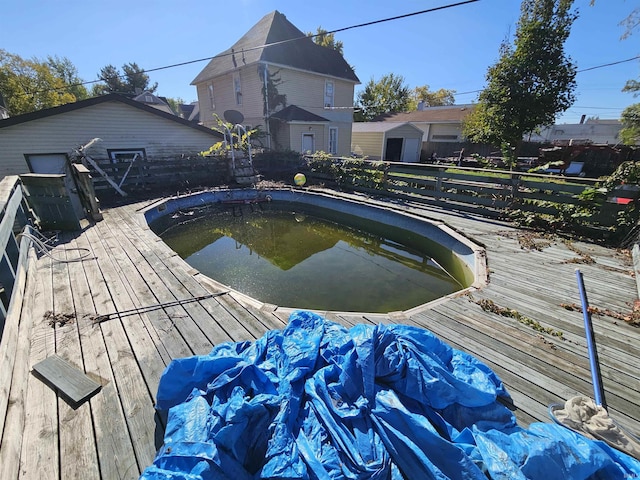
(125, 156)
(333, 140)
(212, 102)
(124, 160)
(444, 137)
(328, 94)
(237, 88)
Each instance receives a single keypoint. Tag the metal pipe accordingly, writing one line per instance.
(596, 377)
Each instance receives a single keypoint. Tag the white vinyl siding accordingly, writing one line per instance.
(445, 133)
(370, 138)
(252, 103)
(119, 126)
(303, 89)
(368, 144)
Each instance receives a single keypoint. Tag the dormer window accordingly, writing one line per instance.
(328, 94)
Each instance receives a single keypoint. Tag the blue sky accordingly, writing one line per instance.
(451, 48)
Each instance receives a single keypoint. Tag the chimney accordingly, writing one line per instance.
(582, 119)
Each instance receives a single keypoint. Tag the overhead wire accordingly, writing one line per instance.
(281, 42)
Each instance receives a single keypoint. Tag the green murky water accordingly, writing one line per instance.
(303, 261)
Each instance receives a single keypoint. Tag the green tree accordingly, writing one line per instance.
(433, 98)
(30, 85)
(68, 73)
(325, 39)
(630, 133)
(131, 80)
(532, 82)
(388, 95)
(175, 103)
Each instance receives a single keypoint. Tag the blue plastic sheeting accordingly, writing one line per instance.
(318, 401)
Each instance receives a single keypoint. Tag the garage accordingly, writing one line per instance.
(390, 141)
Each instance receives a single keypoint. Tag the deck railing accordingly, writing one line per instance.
(487, 192)
(13, 248)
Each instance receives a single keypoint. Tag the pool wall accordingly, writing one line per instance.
(455, 248)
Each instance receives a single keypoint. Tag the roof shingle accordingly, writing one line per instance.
(288, 46)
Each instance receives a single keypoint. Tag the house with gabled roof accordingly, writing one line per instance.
(298, 93)
(34, 142)
(154, 101)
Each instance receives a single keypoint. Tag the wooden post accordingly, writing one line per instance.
(88, 194)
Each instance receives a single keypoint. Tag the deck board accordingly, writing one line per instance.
(114, 434)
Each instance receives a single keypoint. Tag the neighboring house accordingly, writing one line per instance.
(154, 101)
(35, 141)
(600, 132)
(442, 126)
(299, 93)
(189, 112)
(391, 141)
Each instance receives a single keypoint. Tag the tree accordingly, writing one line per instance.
(433, 99)
(389, 95)
(175, 103)
(325, 39)
(531, 83)
(630, 133)
(131, 80)
(30, 85)
(68, 73)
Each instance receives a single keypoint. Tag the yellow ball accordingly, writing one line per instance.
(299, 179)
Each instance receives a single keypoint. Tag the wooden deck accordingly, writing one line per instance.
(116, 432)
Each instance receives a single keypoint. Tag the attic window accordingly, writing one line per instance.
(328, 94)
(148, 98)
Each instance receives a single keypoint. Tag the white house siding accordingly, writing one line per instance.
(120, 126)
(444, 132)
(306, 90)
(405, 131)
(368, 144)
(303, 89)
(225, 98)
(344, 138)
(317, 130)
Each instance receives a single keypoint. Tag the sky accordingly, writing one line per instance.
(451, 48)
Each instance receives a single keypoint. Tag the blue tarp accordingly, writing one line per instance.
(319, 401)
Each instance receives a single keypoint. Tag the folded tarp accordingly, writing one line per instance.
(319, 401)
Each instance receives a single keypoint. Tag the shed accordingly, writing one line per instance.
(34, 141)
(395, 142)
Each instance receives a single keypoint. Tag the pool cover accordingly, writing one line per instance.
(319, 401)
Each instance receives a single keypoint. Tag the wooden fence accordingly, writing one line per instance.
(157, 174)
(487, 192)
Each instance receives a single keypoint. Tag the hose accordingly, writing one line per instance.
(42, 245)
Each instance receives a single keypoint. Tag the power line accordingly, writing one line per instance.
(609, 64)
(189, 62)
(577, 71)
